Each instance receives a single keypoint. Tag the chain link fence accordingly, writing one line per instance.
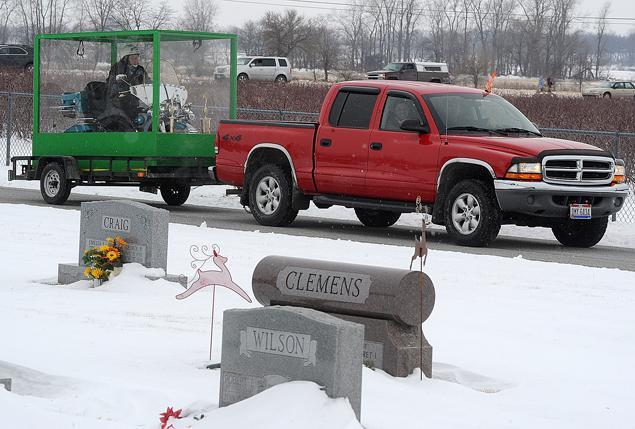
(621, 145)
(16, 119)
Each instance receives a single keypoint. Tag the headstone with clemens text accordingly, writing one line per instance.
(145, 228)
(390, 303)
(266, 346)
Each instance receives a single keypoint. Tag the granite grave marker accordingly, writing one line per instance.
(145, 228)
(387, 301)
(266, 346)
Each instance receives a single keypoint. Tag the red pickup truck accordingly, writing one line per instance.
(474, 159)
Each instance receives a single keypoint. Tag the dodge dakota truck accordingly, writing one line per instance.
(475, 161)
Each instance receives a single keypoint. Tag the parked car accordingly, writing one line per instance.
(610, 90)
(424, 72)
(16, 56)
(476, 162)
(258, 68)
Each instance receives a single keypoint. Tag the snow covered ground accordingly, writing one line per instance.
(517, 343)
(618, 234)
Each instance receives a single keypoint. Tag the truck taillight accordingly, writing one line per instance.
(217, 144)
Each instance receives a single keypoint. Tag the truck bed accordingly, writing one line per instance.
(238, 138)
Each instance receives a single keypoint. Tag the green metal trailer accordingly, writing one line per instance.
(81, 135)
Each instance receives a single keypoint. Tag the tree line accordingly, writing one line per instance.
(523, 37)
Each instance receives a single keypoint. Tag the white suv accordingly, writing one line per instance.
(258, 68)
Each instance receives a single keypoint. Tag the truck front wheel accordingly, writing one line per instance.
(580, 233)
(377, 218)
(472, 215)
(54, 186)
(270, 197)
(175, 194)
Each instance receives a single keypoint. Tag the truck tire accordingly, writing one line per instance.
(270, 196)
(281, 78)
(54, 186)
(243, 77)
(580, 233)
(175, 194)
(377, 218)
(472, 214)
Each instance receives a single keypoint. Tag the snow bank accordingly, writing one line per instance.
(517, 343)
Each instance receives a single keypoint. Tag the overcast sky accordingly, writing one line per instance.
(236, 12)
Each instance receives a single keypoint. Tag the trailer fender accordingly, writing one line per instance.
(71, 168)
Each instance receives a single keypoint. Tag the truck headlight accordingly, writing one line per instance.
(620, 172)
(525, 171)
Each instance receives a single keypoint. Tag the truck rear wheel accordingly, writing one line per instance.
(472, 215)
(580, 233)
(54, 186)
(175, 194)
(377, 218)
(270, 197)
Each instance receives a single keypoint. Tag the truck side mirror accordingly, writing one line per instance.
(414, 125)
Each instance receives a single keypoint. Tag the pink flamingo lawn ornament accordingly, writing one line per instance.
(212, 278)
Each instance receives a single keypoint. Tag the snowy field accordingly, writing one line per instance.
(618, 234)
(517, 343)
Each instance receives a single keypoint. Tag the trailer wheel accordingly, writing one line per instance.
(54, 186)
(175, 194)
(270, 197)
(377, 218)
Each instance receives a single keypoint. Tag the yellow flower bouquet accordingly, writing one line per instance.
(101, 260)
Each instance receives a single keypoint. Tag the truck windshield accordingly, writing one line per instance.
(470, 112)
(242, 61)
(393, 67)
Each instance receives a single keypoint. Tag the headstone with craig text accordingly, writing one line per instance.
(144, 227)
(266, 346)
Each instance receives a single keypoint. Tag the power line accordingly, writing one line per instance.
(426, 12)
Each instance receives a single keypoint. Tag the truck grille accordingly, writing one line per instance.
(578, 170)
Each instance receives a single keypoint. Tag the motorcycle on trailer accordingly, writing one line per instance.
(106, 130)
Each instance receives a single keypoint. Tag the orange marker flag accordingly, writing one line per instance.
(490, 84)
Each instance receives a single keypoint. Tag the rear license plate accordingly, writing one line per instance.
(580, 211)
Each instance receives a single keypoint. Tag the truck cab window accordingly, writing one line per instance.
(352, 110)
(396, 110)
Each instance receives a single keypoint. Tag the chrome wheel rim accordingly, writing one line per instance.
(268, 195)
(466, 214)
(52, 183)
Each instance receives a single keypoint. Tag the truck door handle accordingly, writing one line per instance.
(325, 142)
(375, 146)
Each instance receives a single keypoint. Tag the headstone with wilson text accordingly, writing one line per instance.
(144, 227)
(390, 303)
(266, 346)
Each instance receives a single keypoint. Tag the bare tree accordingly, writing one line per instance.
(7, 7)
(199, 14)
(328, 46)
(284, 33)
(141, 14)
(250, 40)
(42, 16)
(352, 26)
(536, 14)
(98, 13)
(601, 29)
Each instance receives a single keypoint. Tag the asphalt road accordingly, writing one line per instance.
(510, 247)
